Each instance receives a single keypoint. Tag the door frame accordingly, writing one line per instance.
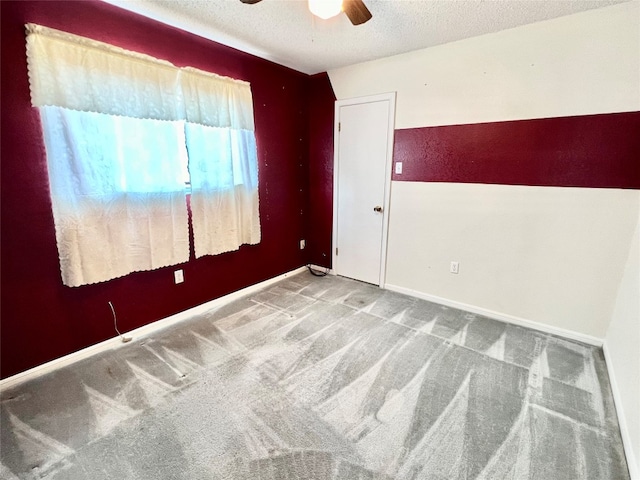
(391, 98)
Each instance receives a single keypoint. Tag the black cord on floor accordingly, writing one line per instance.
(316, 272)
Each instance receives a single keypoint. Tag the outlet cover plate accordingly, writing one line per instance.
(178, 276)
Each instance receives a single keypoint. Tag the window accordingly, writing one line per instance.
(123, 134)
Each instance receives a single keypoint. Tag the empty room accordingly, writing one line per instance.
(320, 239)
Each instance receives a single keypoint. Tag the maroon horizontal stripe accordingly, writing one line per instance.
(584, 151)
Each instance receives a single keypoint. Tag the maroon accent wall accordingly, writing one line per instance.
(582, 151)
(320, 201)
(41, 318)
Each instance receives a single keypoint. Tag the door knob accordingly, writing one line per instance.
(377, 209)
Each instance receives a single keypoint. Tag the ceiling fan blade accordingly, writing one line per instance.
(250, 2)
(357, 11)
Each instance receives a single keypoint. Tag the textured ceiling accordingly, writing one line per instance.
(285, 32)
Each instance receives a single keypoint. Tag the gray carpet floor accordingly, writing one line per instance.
(322, 378)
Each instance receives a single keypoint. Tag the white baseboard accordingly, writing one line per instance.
(570, 334)
(153, 327)
(634, 469)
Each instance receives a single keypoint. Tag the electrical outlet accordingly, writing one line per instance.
(455, 267)
(178, 276)
(398, 168)
(303, 244)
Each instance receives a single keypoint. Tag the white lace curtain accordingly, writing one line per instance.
(119, 129)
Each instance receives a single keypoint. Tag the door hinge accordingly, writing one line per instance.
(336, 251)
(339, 126)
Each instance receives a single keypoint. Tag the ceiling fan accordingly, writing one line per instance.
(356, 10)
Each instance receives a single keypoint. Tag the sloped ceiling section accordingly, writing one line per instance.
(285, 32)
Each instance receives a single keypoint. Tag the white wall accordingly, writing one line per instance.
(550, 255)
(622, 345)
(574, 65)
(524, 252)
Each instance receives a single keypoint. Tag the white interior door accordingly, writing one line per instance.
(362, 177)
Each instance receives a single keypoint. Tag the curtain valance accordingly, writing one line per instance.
(205, 93)
(81, 74)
